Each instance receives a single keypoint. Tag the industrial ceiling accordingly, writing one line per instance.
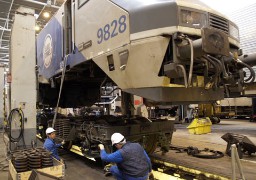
(7, 11)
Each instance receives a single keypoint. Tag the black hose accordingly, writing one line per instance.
(216, 67)
(10, 119)
(252, 76)
(217, 61)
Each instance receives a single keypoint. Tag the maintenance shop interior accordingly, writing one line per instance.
(127, 90)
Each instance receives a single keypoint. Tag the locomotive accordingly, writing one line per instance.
(165, 51)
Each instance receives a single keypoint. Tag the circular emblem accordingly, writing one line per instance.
(47, 51)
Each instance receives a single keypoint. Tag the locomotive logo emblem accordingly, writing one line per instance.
(47, 51)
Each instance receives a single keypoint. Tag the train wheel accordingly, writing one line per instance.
(68, 145)
(150, 143)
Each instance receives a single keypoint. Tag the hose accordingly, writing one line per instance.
(218, 62)
(216, 76)
(184, 74)
(252, 76)
(191, 61)
(10, 119)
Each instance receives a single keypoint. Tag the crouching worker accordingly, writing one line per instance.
(132, 161)
(50, 144)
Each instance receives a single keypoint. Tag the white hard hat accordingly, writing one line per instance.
(49, 130)
(117, 138)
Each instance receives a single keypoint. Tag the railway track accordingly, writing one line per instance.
(180, 166)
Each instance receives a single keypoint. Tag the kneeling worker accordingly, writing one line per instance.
(50, 144)
(132, 161)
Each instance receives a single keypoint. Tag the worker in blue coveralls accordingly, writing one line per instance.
(50, 144)
(132, 161)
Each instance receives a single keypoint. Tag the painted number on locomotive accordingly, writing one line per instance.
(111, 30)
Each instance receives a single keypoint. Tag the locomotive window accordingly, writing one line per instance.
(81, 3)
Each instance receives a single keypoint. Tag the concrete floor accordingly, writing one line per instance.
(213, 141)
(81, 168)
(183, 138)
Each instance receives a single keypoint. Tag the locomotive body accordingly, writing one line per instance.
(166, 51)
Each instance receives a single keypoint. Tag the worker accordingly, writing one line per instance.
(50, 144)
(132, 161)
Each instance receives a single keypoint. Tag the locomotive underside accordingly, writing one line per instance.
(164, 60)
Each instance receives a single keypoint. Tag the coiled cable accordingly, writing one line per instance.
(21, 121)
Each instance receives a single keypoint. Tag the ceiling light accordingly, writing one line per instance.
(37, 28)
(36, 15)
(46, 14)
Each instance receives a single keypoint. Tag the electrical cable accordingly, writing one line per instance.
(10, 119)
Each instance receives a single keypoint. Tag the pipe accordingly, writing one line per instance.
(185, 50)
(184, 74)
(73, 26)
(233, 161)
(61, 86)
(191, 61)
(239, 164)
(249, 59)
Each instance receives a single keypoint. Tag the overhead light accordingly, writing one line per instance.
(49, 2)
(36, 15)
(37, 28)
(46, 14)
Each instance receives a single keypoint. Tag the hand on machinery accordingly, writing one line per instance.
(101, 146)
(63, 142)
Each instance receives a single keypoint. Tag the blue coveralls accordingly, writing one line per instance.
(116, 157)
(51, 146)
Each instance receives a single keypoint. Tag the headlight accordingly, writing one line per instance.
(233, 31)
(192, 19)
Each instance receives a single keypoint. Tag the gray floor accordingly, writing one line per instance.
(183, 138)
(81, 168)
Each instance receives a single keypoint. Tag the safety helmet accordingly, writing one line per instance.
(49, 130)
(117, 138)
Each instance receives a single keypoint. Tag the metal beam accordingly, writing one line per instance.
(5, 19)
(4, 40)
(4, 29)
(4, 60)
(5, 1)
(40, 3)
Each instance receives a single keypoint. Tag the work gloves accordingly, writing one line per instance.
(101, 146)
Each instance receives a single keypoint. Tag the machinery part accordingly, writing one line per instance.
(62, 127)
(194, 151)
(68, 145)
(21, 163)
(208, 154)
(243, 143)
(89, 131)
(28, 159)
(150, 143)
(46, 160)
(34, 161)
